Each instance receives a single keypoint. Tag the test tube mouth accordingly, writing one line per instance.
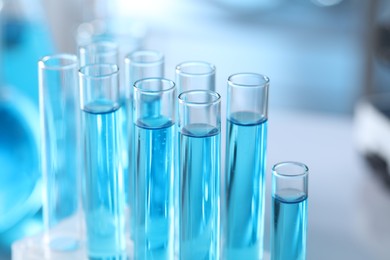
(99, 71)
(290, 169)
(58, 61)
(195, 68)
(248, 79)
(101, 47)
(199, 97)
(145, 57)
(154, 85)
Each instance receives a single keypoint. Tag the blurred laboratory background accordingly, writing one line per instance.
(329, 66)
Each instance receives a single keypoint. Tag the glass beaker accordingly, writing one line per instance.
(195, 75)
(289, 211)
(60, 124)
(244, 183)
(154, 131)
(104, 180)
(199, 174)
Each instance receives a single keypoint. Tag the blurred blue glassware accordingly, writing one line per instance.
(24, 38)
(20, 179)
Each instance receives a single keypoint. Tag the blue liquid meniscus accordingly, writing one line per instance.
(199, 210)
(154, 176)
(104, 191)
(244, 186)
(289, 225)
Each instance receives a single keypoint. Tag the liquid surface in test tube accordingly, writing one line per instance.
(199, 192)
(105, 198)
(289, 225)
(245, 157)
(154, 177)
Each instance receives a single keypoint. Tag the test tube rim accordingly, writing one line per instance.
(303, 173)
(216, 97)
(72, 61)
(115, 71)
(180, 66)
(159, 58)
(265, 81)
(150, 91)
(113, 50)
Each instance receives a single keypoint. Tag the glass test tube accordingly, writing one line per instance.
(60, 122)
(104, 190)
(195, 75)
(154, 119)
(138, 65)
(199, 174)
(107, 52)
(98, 52)
(142, 64)
(244, 188)
(289, 211)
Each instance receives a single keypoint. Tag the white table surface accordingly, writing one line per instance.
(349, 207)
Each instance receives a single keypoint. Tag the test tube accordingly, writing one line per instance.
(98, 52)
(60, 122)
(104, 187)
(142, 64)
(107, 52)
(244, 182)
(199, 174)
(154, 131)
(289, 211)
(195, 75)
(139, 64)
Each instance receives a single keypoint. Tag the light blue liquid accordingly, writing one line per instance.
(104, 191)
(129, 172)
(244, 184)
(199, 210)
(154, 173)
(289, 225)
(126, 128)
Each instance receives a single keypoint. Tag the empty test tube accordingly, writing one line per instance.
(60, 124)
